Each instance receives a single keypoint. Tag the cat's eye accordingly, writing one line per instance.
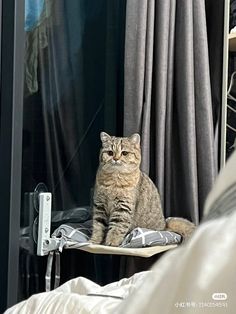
(110, 153)
(125, 153)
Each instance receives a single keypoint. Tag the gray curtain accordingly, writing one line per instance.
(167, 99)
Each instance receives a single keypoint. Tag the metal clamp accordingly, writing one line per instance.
(51, 244)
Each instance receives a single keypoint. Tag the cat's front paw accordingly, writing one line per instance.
(113, 242)
(95, 241)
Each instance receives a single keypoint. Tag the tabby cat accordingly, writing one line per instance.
(124, 196)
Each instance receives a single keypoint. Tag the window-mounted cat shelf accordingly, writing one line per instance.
(102, 249)
(47, 244)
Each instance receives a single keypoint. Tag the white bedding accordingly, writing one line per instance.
(188, 274)
(185, 280)
(72, 297)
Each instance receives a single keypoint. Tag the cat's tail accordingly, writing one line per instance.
(181, 226)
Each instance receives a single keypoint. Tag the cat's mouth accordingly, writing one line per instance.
(116, 163)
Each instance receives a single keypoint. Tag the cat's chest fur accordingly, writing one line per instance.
(117, 180)
(115, 187)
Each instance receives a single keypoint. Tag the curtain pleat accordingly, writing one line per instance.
(167, 99)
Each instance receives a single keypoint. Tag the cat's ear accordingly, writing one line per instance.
(135, 139)
(104, 137)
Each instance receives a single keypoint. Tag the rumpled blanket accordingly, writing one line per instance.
(137, 238)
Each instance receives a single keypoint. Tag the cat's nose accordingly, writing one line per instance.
(116, 157)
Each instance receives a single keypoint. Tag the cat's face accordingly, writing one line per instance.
(121, 154)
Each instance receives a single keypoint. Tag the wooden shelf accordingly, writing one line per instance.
(232, 42)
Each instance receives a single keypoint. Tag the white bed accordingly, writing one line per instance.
(182, 281)
(196, 277)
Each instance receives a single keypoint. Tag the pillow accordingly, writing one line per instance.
(141, 237)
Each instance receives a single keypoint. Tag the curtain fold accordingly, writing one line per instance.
(167, 99)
